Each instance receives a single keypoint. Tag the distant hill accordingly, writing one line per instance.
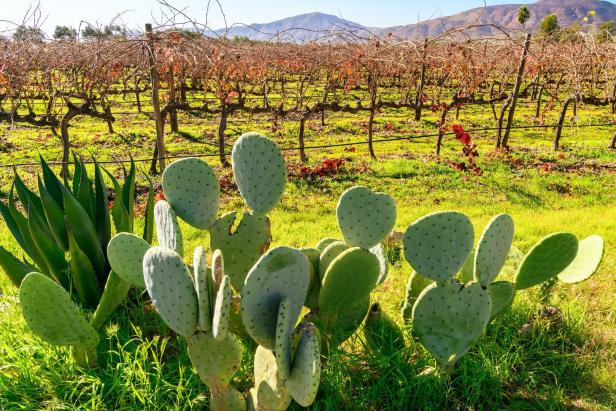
(321, 26)
(568, 12)
(303, 28)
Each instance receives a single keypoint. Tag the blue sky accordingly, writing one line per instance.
(367, 12)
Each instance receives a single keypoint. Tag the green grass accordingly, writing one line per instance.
(558, 364)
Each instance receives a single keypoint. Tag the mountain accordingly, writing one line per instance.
(505, 15)
(301, 29)
(325, 27)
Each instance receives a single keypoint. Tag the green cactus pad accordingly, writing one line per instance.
(586, 262)
(312, 299)
(323, 243)
(345, 323)
(467, 272)
(449, 318)
(380, 254)
(382, 334)
(502, 294)
(279, 273)
(349, 279)
(329, 254)
(493, 248)
(269, 393)
(220, 316)
(260, 171)
(437, 245)
(171, 289)
(241, 246)
(215, 361)
(415, 285)
(227, 399)
(548, 258)
(125, 252)
(365, 218)
(203, 288)
(52, 315)
(167, 228)
(284, 327)
(303, 382)
(191, 188)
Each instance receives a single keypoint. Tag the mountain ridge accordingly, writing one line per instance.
(317, 26)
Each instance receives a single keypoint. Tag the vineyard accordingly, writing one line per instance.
(519, 124)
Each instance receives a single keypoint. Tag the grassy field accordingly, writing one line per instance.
(555, 363)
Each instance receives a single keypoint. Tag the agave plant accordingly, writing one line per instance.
(64, 232)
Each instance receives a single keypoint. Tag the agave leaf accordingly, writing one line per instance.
(102, 220)
(14, 268)
(84, 278)
(121, 218)
(148, 226)
(54, 215)
(128, 191)
(52, 184)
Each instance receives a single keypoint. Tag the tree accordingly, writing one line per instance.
(549, 25)
(523, 15)
(91, 32)
(607, 31)
(64, 33)
(33, 34)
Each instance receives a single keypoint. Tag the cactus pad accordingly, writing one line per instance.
(215, 360)
(269, 392)
(329, 254)
(349, 279)
(467, 272)
(449, 318)
(172, 290)
(167, 228)
(415, 285)
(586, 262)
(203, 288)
(52, 315)
(364, 217)
(241, 246)
(548, 258)
(493, 248)
(192, 190)
(284, 327)
(260, 171)
(312, 299)
(347, 322)
(303, 382)
(502, 294)
(279, 273)
(380, 254)
(125, 252)
(324, 242)
(220, 315)
(437, 245)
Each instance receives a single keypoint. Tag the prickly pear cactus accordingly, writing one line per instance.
(586, 262)
(415, 285)
(493, 248)
(172, 290)
(203, 288)
(548, 258)
(220, 317)
(321, 245)
(312, 299)
(284, 327)
(329, 254)
(216, 361)
(365, 218)
(303, 381)
(167, 227)
(243, 245)
(502, 294)
(52, 315)
(378, 251)
(125, 252)
(437, 245)
(279, 273)
(349, 279)
(192, 190)
(449, 318)
(259, 170)
(269, 393)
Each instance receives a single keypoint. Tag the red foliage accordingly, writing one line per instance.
(469, 150)
(329, 167)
